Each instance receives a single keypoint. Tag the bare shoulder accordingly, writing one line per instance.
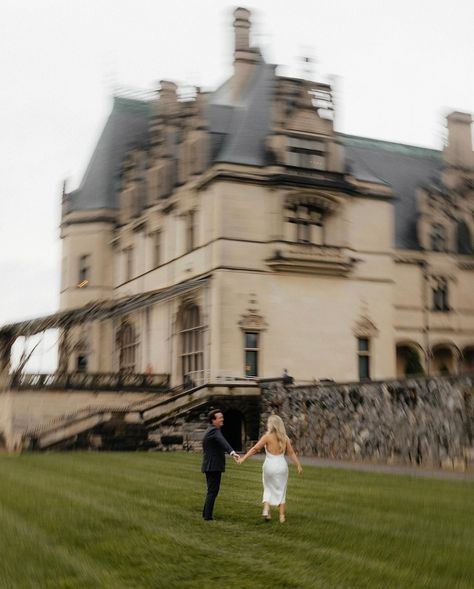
(263, 441)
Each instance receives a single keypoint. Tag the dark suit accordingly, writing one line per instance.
(214, 447)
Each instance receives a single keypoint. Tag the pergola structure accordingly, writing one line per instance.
(94, 311)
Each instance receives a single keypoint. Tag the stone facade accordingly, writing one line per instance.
(425, 422)
(305, 241)
(242, 234)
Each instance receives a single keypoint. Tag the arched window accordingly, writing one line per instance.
(127, 343)
(438, 238)
(192, 362)
(463, 238)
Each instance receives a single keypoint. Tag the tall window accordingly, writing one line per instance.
(363, 357)
(440, 295)
(128, 259)
(303, 230)
(192, 357)
(84, 271)
(438, 238)
(156, 244)
(463, 238)
(251, 353)
(128, 344)
(190, 231)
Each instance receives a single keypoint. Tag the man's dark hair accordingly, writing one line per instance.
(212, 414)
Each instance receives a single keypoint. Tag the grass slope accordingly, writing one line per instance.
(87, 520)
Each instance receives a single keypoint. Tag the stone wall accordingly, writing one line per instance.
(429, 422)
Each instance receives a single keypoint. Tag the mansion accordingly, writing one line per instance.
(246, 235)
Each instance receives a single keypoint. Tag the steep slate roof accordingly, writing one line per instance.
(126, 127)
(245, 122)
(403, 168)
(238, 128)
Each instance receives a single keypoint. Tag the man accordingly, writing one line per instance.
(214, 447)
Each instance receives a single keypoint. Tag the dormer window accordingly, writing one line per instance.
(305, 153)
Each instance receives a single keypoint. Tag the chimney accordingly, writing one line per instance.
(168, 103)
(458, 151)
(245, 57)
(241, 33)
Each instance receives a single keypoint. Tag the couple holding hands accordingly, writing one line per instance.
(275, 469)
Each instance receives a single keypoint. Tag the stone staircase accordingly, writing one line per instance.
(124, 427)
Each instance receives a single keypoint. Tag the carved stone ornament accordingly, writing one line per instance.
(364, 327)
(323, 202)
(252, 322)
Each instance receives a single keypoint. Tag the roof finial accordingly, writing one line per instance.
(308, 64)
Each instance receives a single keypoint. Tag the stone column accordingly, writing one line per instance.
(6, 342)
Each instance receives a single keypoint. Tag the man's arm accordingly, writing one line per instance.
(219, 438)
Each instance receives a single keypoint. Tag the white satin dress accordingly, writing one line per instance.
(275, 478)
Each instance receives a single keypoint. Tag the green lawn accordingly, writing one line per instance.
(133, 520)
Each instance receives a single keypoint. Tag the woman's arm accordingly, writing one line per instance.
(254, 449)
(292, 455)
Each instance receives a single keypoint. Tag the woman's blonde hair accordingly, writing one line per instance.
(276, 426)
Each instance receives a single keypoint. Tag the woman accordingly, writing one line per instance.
(275, 469)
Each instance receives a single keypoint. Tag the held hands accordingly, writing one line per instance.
(236, 458)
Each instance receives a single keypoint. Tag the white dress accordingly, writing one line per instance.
(275, 478)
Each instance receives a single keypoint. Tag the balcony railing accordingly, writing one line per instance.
(88, 381)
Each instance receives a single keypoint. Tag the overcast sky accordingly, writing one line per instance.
(401, 66)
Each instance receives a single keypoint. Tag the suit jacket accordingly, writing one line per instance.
(214, 446)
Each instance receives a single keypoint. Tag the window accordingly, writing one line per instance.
(440, 295)
(194, 158)
(322, 102)
(308, 222)
(81, 363)
(128, 344)
(251, 353)
(463, 238)
(438, 238)
(128, 256)
(363, 356)
(303, 231)
(84, 271)
(192, 357)
(190, 231)
(156, 244)
(306, 154)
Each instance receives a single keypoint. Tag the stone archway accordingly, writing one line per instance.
(410, 359)
(234, 428)
(444, 359)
